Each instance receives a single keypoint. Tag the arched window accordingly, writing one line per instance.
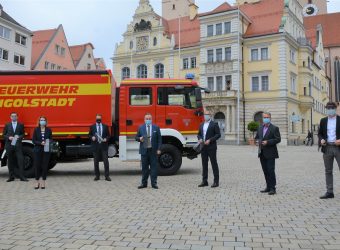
(258, 117)
(125, 73)
(154, 41)
(142, 71)
(159, 70)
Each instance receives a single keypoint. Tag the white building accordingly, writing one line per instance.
(15, 44)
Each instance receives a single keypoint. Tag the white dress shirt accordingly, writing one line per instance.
(205, 128)
(331, 129)
(14, 125)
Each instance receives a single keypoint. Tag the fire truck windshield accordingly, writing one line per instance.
(185, 97)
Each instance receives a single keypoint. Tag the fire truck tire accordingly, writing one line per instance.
(53, 162)
(170, 160)
(28, 162)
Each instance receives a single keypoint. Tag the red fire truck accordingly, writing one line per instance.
(71, 99)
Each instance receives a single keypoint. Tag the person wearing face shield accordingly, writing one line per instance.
(42, 135)
(208, 134)
(329, 141)
(13, 134)
(150, 142)
(267, 137)
(99, 135)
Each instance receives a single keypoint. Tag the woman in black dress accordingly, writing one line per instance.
(42, 135)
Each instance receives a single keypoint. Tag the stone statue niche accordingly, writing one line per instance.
(142, 26)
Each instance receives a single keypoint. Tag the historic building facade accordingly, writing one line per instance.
(254, 58)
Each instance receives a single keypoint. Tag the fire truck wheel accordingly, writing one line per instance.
(170, 160)
(28, 162)
(53, 162)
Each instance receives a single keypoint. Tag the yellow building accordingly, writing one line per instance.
(254, 58)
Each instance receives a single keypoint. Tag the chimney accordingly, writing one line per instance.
(193, 10)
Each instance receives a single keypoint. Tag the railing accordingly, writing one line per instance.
(223, 93)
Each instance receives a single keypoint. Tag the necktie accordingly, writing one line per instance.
(100, 129)
(148, 134)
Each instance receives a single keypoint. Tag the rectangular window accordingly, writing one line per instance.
(218, 55)
(227, 28)
(219, 29)
(3, 54)
(20, 39)
(53, 66)
(57, 49)
(140, 96)
(255, 86)
(18, 59)
(5, 32)
(47, 65)
(265, 83)
(210, 30)
(219, 83)
(59, 67)
(88, 66)
(254, 55)
(211, 83)
(264, 54)
(63, 51)
(186, 63)
(210, 56)
(293, 84)
(228, 54)
(292, 56)
(193, 62)
(228, 82)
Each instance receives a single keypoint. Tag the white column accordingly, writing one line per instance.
(233, 118)
(228, 119)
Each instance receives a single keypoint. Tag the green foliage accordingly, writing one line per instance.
(253, 126)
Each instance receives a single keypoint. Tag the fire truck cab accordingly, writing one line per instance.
(176, 107)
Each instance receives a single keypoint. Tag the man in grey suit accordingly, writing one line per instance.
(149, 136)
(13, 134)
(268, 136)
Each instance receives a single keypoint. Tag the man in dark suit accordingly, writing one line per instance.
(13, 134)
(208, 134)
(329, 141)
(149, 136)
(100, 135)
(268, 136)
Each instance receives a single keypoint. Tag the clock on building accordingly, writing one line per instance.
(142, 43)
(310, 10)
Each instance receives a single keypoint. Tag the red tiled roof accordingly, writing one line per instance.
(77, 52)
(330, 27)
(41, 39)
(222, 8)
(190, 31)
(311, 36)
(265, 16)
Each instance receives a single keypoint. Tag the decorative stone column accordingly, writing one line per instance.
(233, 119)
(228, 120)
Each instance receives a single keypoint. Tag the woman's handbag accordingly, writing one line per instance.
(198, 147)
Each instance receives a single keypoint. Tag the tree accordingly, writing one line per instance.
(253, 126)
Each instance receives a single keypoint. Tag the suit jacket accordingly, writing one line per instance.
(105, 134)
(8, 132)
(322, 134)
(37, 139)
(273, 137)
(156, 139)
(213, 134)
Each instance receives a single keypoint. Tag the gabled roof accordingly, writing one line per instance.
(77, 52)
(330, 25)
(265, 15)
(222, 8)
(190, 31)
(8, 18)
(40, 41)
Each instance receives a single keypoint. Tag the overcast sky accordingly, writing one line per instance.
(101, 22)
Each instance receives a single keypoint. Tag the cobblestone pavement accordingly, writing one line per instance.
(74, 212)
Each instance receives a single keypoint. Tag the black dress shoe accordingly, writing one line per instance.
(142, 186)
(272, 192)
(155, 187)
(108, 178)
(23, 179)
(96, 179)
(265, 190)
(10, 179)
(203, 184)
(327, 196)
(214, 185)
